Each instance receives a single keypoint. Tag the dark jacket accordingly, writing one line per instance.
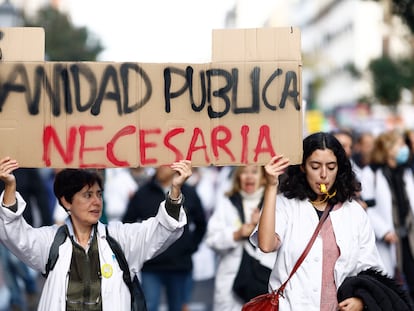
(178, 257)
(32, 188)
(377, 291)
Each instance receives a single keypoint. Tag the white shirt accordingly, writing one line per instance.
(219, 236)
(381, 215)
(119, 187)
(295, 223)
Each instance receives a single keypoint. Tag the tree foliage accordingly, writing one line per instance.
(64, 41)
(387, 80)
(390, 77)
(404, 9)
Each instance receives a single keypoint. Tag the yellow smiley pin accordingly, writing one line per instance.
(106, 270)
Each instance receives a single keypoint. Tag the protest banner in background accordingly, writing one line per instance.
(242, 108)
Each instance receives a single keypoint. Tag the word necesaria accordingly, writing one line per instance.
(182, 142)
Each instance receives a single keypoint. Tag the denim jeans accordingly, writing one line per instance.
(174, 284)
(15, 271)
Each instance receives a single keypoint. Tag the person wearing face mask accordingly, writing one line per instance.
(409, 140)
(392, 216)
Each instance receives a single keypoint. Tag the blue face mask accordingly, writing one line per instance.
(402, 155)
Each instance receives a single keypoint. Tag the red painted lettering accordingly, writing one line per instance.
(217, 142)
(50, 134)
(170, 134)
(127, 130)
(155, 146)
(82, 149)
(192, 148)
(264, 136)
(144, 145)
(245, 143)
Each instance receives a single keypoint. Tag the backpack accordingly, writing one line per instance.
(134, 286)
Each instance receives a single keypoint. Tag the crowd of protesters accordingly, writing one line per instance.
(383, 163)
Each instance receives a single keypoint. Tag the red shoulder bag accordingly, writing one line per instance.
(270, 301)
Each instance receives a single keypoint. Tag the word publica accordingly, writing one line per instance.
(70, 87)
(82, 137)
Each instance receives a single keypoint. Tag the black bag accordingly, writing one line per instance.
(252, 279)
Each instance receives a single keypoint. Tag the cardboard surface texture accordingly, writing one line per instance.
(243, 107)
(22, 44)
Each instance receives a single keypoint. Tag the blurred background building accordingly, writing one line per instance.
(357, 54)
(341, 42)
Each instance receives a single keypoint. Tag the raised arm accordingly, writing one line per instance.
(183, 172)
(175, 198)
(7, 166)
(267, 239)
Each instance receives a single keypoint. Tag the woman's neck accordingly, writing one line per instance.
(319, 204)
(82, 235)
(253, 195)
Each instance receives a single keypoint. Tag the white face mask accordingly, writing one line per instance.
(402, 155)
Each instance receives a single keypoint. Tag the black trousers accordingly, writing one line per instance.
(408, 266)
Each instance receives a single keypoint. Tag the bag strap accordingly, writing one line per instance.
(307, 249)
(59, 239)
(120, 257)
(134, 285)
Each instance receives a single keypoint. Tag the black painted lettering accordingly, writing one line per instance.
(88, 83)
(12, 84)
(109, 75)
(203, 87)
(221, 92)
(269, 81)
(144, 82)
(291, 80)
(52, 88)
(255, 86)
(168, 94)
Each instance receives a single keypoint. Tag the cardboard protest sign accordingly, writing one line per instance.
(243, 107)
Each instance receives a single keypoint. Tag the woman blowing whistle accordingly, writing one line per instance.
(345, 245)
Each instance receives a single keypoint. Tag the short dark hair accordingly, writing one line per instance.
(346, 184)
(70, 181)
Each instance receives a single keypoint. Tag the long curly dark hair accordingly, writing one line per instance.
(295, 185)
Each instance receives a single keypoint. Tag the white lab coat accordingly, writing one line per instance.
(381, 216)
(119, 187)
(140, 242)
(295, 223)
(219, 236)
